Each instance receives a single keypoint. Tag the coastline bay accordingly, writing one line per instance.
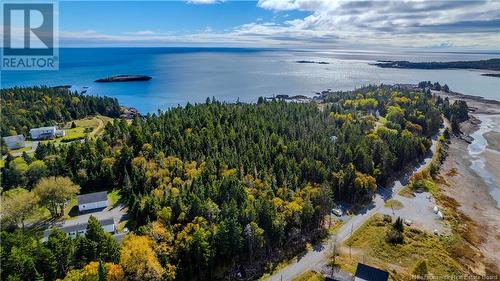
(182, 75)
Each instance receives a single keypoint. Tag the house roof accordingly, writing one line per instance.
(92, 197)
(80, 226)
(368, 273)
(13, 139)
(43, 128)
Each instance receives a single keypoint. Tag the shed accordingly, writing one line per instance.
(92, 201)
(367, 273)
(14, 142)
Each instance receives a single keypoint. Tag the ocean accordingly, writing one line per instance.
(182, 75)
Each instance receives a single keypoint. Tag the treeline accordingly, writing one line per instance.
(214, 186)
(433, 86)
(490, 64)
(456, 112)
(26, 108)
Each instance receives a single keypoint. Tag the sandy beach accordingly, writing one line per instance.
(471, 174)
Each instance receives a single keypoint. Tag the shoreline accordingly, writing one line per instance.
(467, 190)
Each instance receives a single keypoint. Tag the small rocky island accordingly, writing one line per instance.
(310, 61)
(124, 78)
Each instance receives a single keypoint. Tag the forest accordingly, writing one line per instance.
(24, 108)
(219, 189)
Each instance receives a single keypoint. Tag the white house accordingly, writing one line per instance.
(46, 133)
(14, 142)
(72, 231)
(92, 201)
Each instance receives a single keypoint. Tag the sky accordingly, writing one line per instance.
(425, 24)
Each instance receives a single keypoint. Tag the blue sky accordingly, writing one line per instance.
(283, 23)
(175, 17)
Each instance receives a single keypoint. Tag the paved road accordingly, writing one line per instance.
(317, 258)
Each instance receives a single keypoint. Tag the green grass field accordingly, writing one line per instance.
(85, 127)
(368, 242)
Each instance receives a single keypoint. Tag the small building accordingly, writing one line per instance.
(92, 201)
(14, 142)
(44, 133)
(72, 231)
(367, 273)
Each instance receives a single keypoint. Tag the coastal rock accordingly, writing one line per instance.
(124, 78)
(129, 112)
(62, 87)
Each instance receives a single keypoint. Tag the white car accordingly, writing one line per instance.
(337, 212)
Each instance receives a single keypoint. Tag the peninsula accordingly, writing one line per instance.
(490, 64)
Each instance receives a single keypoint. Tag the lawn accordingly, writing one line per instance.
(89, 126)
(393, 203)
(369, 244)
(309, 276)
(20, 150)
(336, 225)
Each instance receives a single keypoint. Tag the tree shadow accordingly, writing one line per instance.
(74, 211)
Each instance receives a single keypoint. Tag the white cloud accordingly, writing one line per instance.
(391, 22)
(142, 32)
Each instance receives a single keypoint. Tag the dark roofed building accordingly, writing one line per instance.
(14, 142)
(367, 273)
(92, 201)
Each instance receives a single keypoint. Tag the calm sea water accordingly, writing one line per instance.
(182, 75)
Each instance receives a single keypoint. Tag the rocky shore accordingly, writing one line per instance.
(469, 190)
(129, 112)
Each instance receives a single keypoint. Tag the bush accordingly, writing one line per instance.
(394, 237)
(425, 185)
(387, 218)
(395, 233)
(420, 270)
(398, 225)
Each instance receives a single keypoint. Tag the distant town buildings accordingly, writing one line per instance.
(14, 142)
(44, 133)
(92, 201)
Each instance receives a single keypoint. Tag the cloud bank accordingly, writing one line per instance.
(418, 23)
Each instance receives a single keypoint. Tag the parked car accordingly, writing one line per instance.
(338, 212)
